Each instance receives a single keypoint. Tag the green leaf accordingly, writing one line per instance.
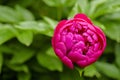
(1, 61)
(113, 16)
(98, 24)
(68, 74)
(7, 14)
(6, 49)
(117, 54)
(25, 37)
(94, 4)
(91, 71)
(28, 25)
(57, 3)
(76, 9)
(51, 52)
(6, 33)
(83, 5)
(50, 22)
(110, 6)
(49, 62)
(109, 48)
(18, 68)
(21, 55)
(23, 76)
(37, 27)
(24, 3)
(107, 69)
(112, 30)
(24, 14)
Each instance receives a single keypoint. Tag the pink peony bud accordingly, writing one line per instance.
(78, 41)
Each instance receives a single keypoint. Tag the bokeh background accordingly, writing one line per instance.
(26, 29)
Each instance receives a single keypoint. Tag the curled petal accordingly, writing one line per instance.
(82, 63)
(59, 53)
(69, 41)
(67, 62)
(78, 45)
(76, 56)
(60, 24)
(62, 47)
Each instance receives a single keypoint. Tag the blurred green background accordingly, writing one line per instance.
(26, 28)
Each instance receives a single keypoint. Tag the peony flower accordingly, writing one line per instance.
(78, 41)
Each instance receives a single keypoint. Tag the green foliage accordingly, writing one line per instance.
(117, 54)
(1, 61)
(109, 70)
(26, 29)
(49, 62)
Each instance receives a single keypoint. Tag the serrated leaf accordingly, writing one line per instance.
(6, 33)
(7, 14)
(49, 62)
(112, 30)
(91, 71)
(107, 69)
(23, 76)
(68, 74)
(24, 14)
(21, 55)
(117, 54)
(1, 61)
(25, 37)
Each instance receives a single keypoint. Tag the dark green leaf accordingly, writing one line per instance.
(21, 55)
(1, 61)
(117, 54)
(57, 3)
(107, 69)
(23, 76)
(109, 48)
(49, 62)
(68, 74)
(18, 68)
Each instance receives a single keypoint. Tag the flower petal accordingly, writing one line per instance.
(83, 16)
(67, 62)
